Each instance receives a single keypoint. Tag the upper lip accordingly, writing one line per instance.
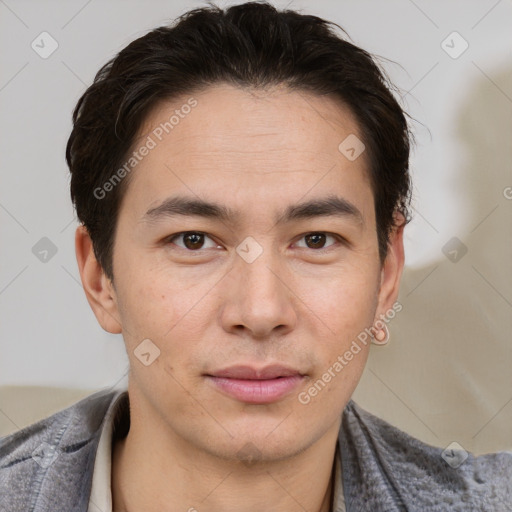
(252, 373)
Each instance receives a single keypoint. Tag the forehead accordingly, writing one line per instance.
(249, 144)
(226, 117)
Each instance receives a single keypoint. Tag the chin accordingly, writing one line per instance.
(252, 451)
(264, 441)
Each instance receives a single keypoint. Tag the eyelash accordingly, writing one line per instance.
(339, 238)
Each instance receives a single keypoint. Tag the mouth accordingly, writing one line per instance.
(256, 385)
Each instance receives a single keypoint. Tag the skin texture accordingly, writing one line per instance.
(206, 308)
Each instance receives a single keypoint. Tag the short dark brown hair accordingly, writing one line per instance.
(248, 45)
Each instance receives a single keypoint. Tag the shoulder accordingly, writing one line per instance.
(392, 469)
(52, 459)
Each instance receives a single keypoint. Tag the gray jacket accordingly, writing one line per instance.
(48, 466)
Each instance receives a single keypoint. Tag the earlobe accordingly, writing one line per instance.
(98, 288)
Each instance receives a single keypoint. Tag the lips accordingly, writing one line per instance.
(250, 373)
(256, 385)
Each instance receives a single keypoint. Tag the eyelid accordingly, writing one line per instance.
(169, 239)
(337, 237)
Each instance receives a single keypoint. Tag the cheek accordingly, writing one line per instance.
(346, 310)
(167, 313)
(170, 312)
(345, 301)
(153, 300)
(143, 302)
(345, 306)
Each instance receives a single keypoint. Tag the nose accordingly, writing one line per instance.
(260, 299)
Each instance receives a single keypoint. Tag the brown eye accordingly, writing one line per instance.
(317, 240)
(192, 240)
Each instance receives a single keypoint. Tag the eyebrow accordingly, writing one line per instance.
(330, 206)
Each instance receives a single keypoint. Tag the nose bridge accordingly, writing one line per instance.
(259, 273)
(260, 299)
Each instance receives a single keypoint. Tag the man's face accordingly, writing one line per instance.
(246, 291)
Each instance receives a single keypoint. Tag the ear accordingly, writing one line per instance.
(98, 288)
(392, 268)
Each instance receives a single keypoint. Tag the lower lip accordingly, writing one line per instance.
(257, 391)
